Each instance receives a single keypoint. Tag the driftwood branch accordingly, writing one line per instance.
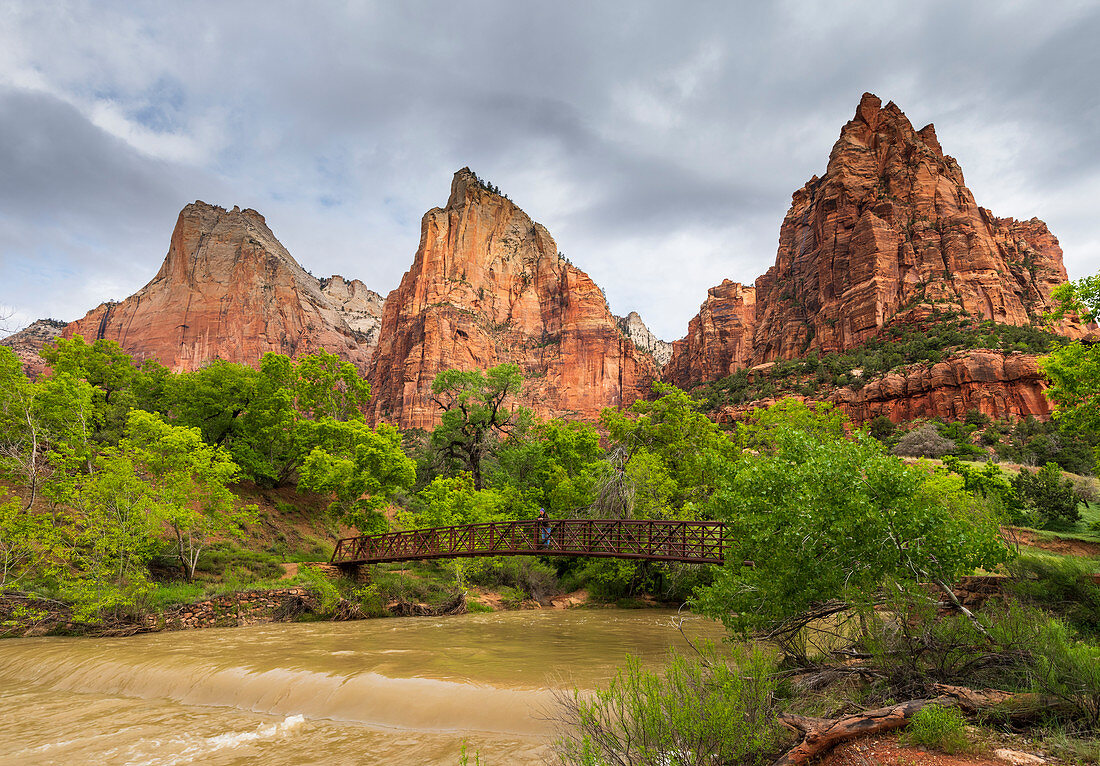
(821, 734)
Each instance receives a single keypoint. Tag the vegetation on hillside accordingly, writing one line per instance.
(898, 345)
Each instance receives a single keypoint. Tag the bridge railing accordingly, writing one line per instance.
(702, 542)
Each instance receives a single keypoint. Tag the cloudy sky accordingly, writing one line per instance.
(659, 142)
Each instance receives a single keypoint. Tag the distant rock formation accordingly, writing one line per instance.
(719, 340)
(360, 306)
(229, 290)
(995, 384)
(29, 341)
(889, 230)
(634, 328)
(487, 286)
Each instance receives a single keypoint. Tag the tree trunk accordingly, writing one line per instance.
(820, 734)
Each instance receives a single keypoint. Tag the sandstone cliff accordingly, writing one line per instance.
(228, 290)
(29, 341)
(889, 228)
(996, 384)
(719, 340)
(489, 286)
(644, 340)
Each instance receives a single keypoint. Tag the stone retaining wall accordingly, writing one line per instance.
(236, 609)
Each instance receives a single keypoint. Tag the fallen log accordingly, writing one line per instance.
(821, 734)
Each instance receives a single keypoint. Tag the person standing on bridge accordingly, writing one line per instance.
(544, 529)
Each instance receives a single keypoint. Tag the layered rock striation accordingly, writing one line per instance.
(488, 286)
(229, 290)
(890, 228)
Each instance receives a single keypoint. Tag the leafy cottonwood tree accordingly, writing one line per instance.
(187, 483)
(27, 541)
(666, 457)
(362, 466)
(826, 517)
(328, 386)
(1074, 368)
(476, 414)
(42, 424)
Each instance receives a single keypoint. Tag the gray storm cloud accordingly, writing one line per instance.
(659, 145)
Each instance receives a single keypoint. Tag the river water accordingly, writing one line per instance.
(391, 691)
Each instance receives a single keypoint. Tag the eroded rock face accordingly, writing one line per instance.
(228, 290)
(488, 286)
(1003, 386)
(889, 229)
(644, 340)
(719, 340)
(999, 385)
(359, 306)
(29, 341)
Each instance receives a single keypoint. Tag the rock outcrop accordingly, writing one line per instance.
(1003, 386)
(889, 228)
(29, 341)
(644, 340)
(228, 290)
(489, 286)
(719, 340)
(360, 307)
(999, 385)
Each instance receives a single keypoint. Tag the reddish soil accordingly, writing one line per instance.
(1065, 546)
(887, 750)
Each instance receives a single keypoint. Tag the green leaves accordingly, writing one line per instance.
(823, 516)
(477, 414)
(362, 466)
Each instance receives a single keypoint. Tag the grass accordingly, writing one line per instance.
(939, 727)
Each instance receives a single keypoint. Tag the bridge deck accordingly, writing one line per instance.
(696, 542)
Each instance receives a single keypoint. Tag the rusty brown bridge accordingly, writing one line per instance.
(693, 542)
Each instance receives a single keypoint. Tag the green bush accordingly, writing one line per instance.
(1050, 499)
(1067, 669)
(939, 727)
(699, 711)
(1061, 585)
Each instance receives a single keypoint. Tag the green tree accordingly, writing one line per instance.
(1074, 368)
(267, 448)
(214, 400)
(556, 463)
(110, 371)
(361, 466)
(827, 517)
(42, 424)
(111, 533)
(690, 449)
(452, 500)
(27, 542)
(1048, 497)
(477, 414)
(187, 484)
(327, 386)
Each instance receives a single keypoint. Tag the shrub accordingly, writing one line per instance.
(939, 727)
(924, 442)
(700, 711)
(1060, 585)
(1049, 498)
(1068, 670)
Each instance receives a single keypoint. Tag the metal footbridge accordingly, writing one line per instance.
(692, 542)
